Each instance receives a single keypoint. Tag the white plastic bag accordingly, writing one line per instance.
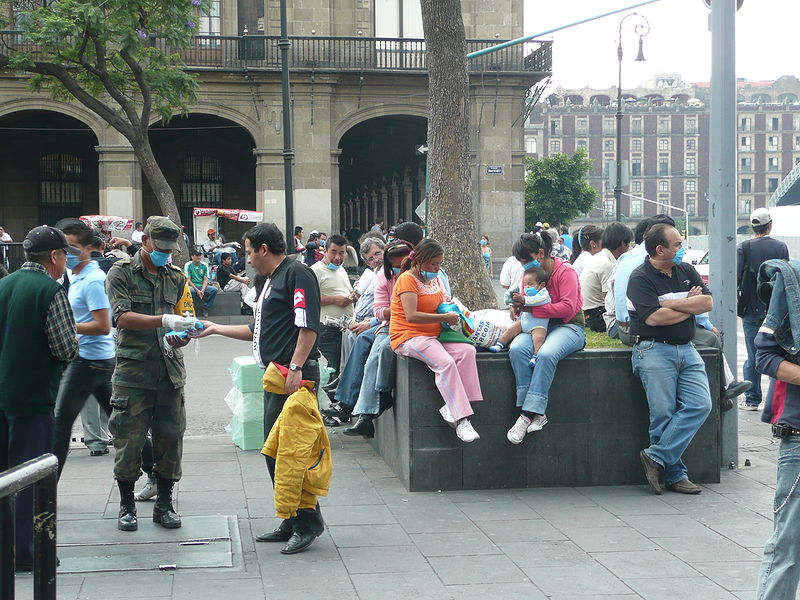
(489, 325)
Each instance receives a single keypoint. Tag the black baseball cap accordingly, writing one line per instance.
(45, 238)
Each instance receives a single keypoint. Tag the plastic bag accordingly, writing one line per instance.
(489, 324)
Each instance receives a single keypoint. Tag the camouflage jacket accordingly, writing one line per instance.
(130, 287)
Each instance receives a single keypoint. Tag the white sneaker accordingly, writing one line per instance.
(743, 405)
(537, 423)
(447, 416)
(465, 431)
(517, 433)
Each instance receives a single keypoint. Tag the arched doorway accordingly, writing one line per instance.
(208, 162)
(48, 170)
(381, 174)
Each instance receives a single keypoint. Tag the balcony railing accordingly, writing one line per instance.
(261, 52)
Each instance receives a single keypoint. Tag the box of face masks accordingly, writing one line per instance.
(246, 374)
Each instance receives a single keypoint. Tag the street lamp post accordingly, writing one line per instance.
(641, 29)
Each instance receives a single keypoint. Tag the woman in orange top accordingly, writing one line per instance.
(414, 329)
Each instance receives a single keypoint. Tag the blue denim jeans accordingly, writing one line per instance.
(353, 372)
(750, 325)
(533, 385)
(676, 384)
(780, 568)
(378, 375)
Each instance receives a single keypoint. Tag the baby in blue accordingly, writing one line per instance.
(534, 281)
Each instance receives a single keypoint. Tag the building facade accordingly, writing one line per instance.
(359, 110)
(665, 144)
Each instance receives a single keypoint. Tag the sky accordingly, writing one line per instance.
(679, 40)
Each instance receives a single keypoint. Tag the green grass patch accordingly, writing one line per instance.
(601, 340)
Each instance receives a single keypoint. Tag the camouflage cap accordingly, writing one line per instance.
(163, 232)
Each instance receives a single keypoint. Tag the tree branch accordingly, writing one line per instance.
(113, 91)
(144, 88)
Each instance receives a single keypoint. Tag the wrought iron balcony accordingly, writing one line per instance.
(261, 53)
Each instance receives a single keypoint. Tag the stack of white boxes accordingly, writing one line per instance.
(246, 401)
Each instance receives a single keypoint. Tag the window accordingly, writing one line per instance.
(774, 124)
(61, 183)
(201, 184)
(636, 186)
(746, 164)
(608, 206)
(744, 206)
(636, 144)
(691, 204)
(691, 166)
(210, 23)
(747, 186)
(745, 143)
(663, 166)
(796, 123)
(663, 125)
(583, 144)
(636, 208)
(555, 146)
(663, 144)
(636, 167)
(608, 126)
(636, 126)
(531, 145)
(663, 185)
(773, 163)
(555, 127)
(661, 207)
(608, 145)
(772, 184)
(691, 144)
(396, 18)
(582, 126)
(691, 185)
(610, 168)
(773, 143)
(796, 143)
(691, 125)
(745, 124)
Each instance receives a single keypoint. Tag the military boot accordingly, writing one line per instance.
(163, 512)
(127, 507)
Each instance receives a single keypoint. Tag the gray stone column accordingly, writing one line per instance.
(120, 182)
(269, 185)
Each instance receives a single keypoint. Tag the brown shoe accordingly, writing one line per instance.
(652, 470)
(684, 486)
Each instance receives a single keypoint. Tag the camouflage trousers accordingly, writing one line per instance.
(135, 411)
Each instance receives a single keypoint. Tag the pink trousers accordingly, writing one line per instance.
(455, 368)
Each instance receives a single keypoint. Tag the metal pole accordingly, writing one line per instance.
(528, 38)
(7, 547)
(722, 196)
(288, 151)
(44, 537)
(618, 182)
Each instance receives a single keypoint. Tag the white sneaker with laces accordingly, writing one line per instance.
(517, 433)
(447, 416)
(465, 431)
(743, 405)
(537, 423)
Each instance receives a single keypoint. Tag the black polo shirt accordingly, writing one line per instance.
(289, 301)
(648, 286)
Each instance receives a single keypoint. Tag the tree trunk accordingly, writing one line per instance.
(162, 190)
(451, 220)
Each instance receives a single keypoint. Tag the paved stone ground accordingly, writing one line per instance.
(382, 542)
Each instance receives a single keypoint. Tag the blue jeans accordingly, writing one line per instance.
(378, 376)
(208, 297)
(533, 385)
(780, 568)
(750, 325)
(676, 384)
(353, 372)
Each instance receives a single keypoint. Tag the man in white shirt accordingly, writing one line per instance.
(511, 273)
(596, 277)
(336, 300)
(137, 234)
(4, 237)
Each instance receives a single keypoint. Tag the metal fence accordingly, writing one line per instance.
(11, 256)
(261, 52)
(41, 474)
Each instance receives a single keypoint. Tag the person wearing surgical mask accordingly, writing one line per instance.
(336, 300)
(145, 294)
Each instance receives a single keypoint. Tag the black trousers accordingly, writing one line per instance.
(23, 437)
(330, 345)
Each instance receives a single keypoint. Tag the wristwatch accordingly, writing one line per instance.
(294, 367)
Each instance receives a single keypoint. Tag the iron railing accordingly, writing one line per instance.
(261, 52)
(11, 256)
(42, 474)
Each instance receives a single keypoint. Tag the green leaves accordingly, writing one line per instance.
(556, 190)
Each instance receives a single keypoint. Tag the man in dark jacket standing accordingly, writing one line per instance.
(37, 330)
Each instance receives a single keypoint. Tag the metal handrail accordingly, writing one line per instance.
(261, 52)
(41, 474)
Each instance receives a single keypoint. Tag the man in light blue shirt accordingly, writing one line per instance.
(90, 373)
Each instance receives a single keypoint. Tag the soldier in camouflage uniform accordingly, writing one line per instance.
(148, 380)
